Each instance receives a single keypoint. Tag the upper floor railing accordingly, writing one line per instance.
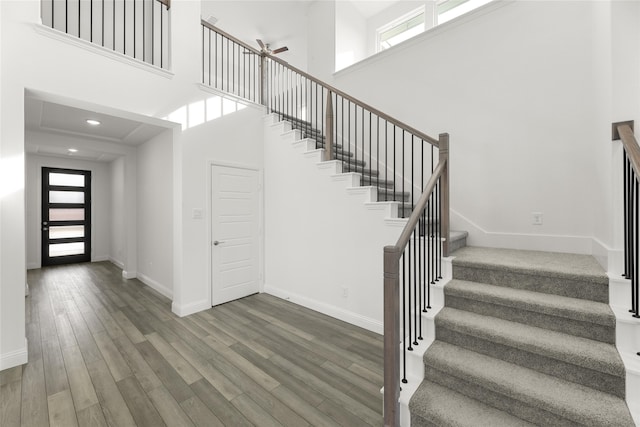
(404, 165)
(135, 28)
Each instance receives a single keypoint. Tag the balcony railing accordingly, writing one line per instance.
(135, 28)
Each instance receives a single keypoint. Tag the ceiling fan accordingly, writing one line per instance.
(264, 48)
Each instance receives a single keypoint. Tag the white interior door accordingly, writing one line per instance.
(234, 233)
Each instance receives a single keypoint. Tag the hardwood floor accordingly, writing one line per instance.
(104, 351)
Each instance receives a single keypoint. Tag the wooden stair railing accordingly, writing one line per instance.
(631, 210)
(359, 136)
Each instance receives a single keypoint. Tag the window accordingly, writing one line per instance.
(450, 9)
(401, 29)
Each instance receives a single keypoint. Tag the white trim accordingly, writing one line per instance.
(157, 286)
(523, 241)
(32, 265)
(100, 258)
(100, 50)
(236, 98)
(15, 358)
(188, 309)
(117, 263)
(328, 309)
(128, 274)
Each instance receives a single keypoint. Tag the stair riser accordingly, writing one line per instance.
(541, 320)
(526, 411)
(545, 284)
(570, 372)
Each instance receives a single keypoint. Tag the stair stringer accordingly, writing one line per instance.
(627, 340)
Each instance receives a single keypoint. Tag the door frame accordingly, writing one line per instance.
(209, 216)
(88, 220)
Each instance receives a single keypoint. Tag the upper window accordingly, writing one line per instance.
(401, 29)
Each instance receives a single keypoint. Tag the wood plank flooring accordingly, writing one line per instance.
(104, 351)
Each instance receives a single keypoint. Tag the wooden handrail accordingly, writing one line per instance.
(630, 145)
(330, 88)
(404, 238)
(229, 36)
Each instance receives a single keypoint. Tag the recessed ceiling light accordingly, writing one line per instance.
(72, 150)
(93, 122)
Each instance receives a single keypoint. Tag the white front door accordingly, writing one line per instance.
(234, 233)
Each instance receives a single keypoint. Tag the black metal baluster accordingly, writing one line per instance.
(402, 192)
(408, 296)
(153, 32)
(79, 18)
(134, 28)
(161, 36)
(91, 21)
(625, 164)
(394, 167)
(124, 27)
(634, 298)
(66, 16)
(404, 327)
(440, 237)
(370, 161)
(114, 25)
(144, 30)
(386, 158)
(416, 312)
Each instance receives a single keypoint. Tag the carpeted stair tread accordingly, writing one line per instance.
(436, 405)
(578, 351)
(566, 400)
(538, 263)
(556, 305)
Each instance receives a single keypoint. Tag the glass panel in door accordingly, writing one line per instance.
(66, 216)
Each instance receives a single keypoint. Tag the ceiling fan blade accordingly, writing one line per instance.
(282, 49)
(260, 43)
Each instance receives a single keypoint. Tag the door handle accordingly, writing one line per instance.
(45, 229)
(216, 243)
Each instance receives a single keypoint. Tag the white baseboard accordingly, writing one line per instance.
(478, 236)
(15, 358)
(157, 286)
(129, 274)
(188, 309)
(328, 309)
(33, 265)
(117, 263)
(100, 258)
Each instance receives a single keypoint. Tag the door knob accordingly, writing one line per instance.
(44, 229)
(216, 243)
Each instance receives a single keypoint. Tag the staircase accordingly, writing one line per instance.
(369, 176)
(524, 338)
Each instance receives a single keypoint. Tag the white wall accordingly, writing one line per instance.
(321, 241)
(233, 139)
(521, 111)
(100, 198)
(351, 35)
(117, 246)
(86, 75)
(155, 213)
(321, 34)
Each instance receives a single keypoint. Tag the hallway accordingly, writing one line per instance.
(108, 351)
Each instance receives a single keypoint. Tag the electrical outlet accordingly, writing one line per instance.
(345, 292)
(536, 218)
